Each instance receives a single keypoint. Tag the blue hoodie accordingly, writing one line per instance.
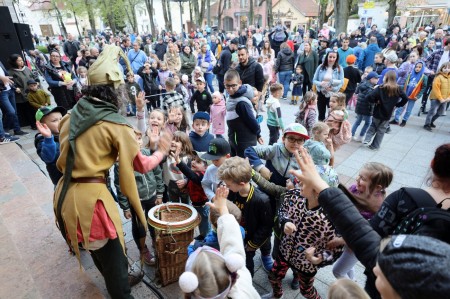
(367, 56)
(200, 143)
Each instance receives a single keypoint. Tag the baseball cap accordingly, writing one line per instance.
(44, 111)
(218, 148)
(296, 129)
(200, 155)
(201, 79)
(31, 81)
(351, 59)
(372, 75)
(201, 115)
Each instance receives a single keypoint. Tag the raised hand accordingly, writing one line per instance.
(220, 200)
(165, 141)
(140, 101)
(43, 129)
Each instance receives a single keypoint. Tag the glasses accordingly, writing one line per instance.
(227, 86)
(295, 140)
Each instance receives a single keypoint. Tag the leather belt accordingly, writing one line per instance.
(98, 180)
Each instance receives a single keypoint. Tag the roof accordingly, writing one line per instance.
(308, 8)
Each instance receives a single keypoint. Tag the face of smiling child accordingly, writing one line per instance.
(156, 120)
(175, 116)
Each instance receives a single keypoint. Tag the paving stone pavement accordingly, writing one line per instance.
(34, 262)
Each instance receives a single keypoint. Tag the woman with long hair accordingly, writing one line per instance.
(328, 78)
(21, 75)
(308, 60)
(188, 61)
(386, 99)
(172, 58)
(206, 61)
(284, 65)
(267, 49)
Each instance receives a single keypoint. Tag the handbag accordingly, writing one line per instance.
(216, 69)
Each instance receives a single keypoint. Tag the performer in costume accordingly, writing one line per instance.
(92, 136)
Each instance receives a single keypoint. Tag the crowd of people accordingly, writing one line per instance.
(238, 185)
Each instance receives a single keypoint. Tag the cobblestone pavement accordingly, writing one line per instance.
(34, 262)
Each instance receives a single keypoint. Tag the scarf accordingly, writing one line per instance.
(87, 112)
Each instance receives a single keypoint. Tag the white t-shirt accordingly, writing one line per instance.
(444, 58)
(2, 73)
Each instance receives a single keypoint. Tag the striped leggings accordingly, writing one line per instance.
(306, 280)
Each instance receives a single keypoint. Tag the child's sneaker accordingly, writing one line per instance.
(148, 258)
(357, 138)
(267, 262)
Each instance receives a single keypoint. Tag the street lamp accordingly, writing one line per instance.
(181, 12)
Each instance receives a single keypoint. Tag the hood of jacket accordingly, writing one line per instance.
(251, 60)
(270, 101)
(287, 51)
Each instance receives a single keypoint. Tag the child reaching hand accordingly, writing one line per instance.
(213, 274)
(337, 120)
(177, 120)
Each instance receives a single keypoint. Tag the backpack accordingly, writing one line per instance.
(279, 35)
(427, 220)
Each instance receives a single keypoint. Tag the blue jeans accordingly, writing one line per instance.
(8, 105)
(204, 225)
(209, 77)
(359, 118)
(2, 132)
(285, 78)
(399, 110)
(436, 108)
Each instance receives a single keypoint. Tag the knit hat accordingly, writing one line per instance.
(296, 129)
(351, 59)
(201, 115)
(417, 266)
(372, 75)
(105, 69)
(46, 110)
(392, 57)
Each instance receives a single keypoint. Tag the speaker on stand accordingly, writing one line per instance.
(9, 40)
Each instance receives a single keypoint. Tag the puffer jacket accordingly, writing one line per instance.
(313, 229)
(441, 87)
(363, 106)
(278, 160)
(285, 60)
(150, 185)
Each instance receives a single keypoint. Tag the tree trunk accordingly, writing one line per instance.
(165, 14)
(269, 13)
(134, 22)
(250, 13)
(220, 9)
(76, 23)
(91, 16)
(341, 9)
(201, 16)
(196, 12)
(208, 14)
(169, 15)
(149, 5)
(191, 18)
(60, 20)
(391, 11)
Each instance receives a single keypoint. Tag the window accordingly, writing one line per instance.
(244, 3)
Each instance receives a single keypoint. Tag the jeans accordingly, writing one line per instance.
(220, 79)
(2, 132)
(8, 105)
(204, 225)
(399, 110)
(209, 77)
(377, 129)
(274, 134)
(436, 109)
(343, 267)
(359, 118)
(285, 78)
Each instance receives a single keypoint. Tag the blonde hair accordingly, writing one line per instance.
(340, 99)
(236, 169)
(380, 174)
(345, 288)
(213, 275)
(445, 64)
(319, 127)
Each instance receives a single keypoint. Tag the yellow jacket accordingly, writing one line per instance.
(441, 87)
(96, 151)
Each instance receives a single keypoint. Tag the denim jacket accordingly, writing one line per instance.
(338, 78)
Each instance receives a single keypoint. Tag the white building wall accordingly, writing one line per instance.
(378, 14)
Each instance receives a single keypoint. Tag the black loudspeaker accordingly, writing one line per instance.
(25, 37)
(9, 42)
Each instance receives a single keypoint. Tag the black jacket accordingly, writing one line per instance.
(203, 99)
(150, 84)
(285, 60)
(362, 239)
(224, 61)
(71, 48)
(257, 217)
(384, 104)
(160, 50)
(354, 77)
(363, 106)
(251, 73)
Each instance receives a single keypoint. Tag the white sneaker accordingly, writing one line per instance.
(357, 138)
(366, 143)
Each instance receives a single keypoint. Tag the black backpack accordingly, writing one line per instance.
(427, 220)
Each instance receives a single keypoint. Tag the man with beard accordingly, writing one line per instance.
(250, 71)
(224, 62)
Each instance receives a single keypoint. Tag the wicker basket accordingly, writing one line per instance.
(174, 225)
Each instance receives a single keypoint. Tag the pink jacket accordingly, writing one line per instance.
(218, 112)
